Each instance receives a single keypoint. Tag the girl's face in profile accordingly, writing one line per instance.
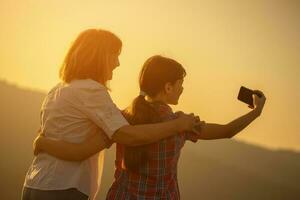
(113, 63)
(173, 92)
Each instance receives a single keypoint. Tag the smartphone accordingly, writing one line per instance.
(245, 95)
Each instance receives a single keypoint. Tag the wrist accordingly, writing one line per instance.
(256, 112)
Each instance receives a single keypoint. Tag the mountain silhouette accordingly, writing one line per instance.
(220, 169)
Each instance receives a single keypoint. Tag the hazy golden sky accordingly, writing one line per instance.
(222, 44)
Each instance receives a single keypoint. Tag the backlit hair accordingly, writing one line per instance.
(88, 56)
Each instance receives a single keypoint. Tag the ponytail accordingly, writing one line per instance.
(140, 112)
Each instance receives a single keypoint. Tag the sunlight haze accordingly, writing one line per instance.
(221, 44)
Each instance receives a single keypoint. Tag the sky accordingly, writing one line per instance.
(222, 45)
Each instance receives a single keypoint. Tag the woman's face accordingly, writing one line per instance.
(174, 91)
(113, 63)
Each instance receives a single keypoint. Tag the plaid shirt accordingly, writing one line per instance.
(157, 179)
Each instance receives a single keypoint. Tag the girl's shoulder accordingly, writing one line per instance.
(164, 110)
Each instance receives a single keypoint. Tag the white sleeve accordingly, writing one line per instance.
(97, 104)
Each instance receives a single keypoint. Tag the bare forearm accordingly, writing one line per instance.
(70, 151)
(145, 134)
(240, 123)
(211, 131)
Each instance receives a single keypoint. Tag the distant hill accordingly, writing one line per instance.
(19, 121)
(223, 169)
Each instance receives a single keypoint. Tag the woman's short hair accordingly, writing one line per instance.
(87, 57)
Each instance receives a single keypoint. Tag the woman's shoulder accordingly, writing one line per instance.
(87, 84)
(89, 90)
(86, 91)
(58, 85)
(80, 85)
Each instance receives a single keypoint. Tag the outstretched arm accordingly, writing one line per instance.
(94, 143)
(211, 131)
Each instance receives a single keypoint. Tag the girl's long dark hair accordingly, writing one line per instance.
(155, 73)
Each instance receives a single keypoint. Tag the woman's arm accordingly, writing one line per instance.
(110, 119)
(129, 135)
(211, 131)
(149, 133)
(71, 151)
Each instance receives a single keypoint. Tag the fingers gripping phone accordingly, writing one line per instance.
(245, 95)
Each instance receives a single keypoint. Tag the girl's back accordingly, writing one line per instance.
(157, 178)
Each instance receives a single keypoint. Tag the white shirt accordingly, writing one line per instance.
(69, 112)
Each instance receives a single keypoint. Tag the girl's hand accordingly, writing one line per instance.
(258, 102)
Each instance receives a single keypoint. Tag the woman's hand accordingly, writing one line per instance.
(188, 122)
(259, 100)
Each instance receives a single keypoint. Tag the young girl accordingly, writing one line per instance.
(150, 171)
(80, 106)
